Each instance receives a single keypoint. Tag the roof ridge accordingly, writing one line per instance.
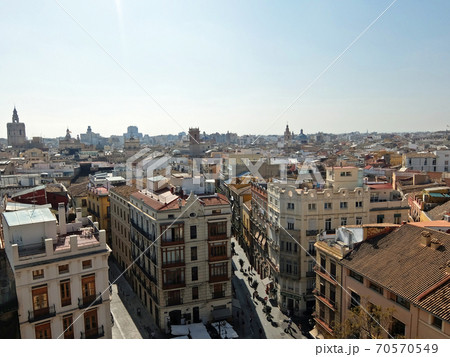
(433, 288)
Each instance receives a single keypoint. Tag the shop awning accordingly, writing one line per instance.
(316, 334)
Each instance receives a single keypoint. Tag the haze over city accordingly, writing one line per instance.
(224, 66)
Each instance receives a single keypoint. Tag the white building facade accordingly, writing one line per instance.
(61, 274)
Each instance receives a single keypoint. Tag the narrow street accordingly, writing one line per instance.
(251, 316)
(128, 324)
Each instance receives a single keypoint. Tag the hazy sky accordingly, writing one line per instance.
(224, 65)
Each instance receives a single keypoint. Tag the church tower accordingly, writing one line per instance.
(287, 136)
(16, 131)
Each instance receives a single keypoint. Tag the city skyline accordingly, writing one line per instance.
(224, 67)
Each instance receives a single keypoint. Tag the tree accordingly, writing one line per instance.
(366, 321)
(241, 263)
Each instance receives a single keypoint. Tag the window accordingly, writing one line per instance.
(311, 248)
(358, 204)
(194, 272)
(343, 205)
(83, 202)
(87, 264)
(356, 276)
(397, 218)
(311, 206)
(172, 233)
(376, 287)
(193, 253)
(43, 331)
(380, 218)
(328, 224)
(346, 173)
(195, 293)
(218, 270)
(88, 288)
(401, 301)
(322, 286)
(290, 205)
(68, 326)
(358, 221)
(355, 300)
(343, 221)
(172, 255)
(327, 205)
(65, 293)
(218, 250)
(90, 323)
(38, 274)
(333, 269)
(217, 229)
(290, 225)
(332, 294)
(40, 300)
(62, 269)
(397, 328)
(436, 322)
(216, 211)
(288, 267)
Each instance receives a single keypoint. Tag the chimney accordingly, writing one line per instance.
(79, 214)
(62, 219)
(435, 243)
(425, 238)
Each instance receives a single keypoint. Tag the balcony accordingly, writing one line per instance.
(174, 301)
(217, 236)
(216, 258)
(323, 298)
(91, 300)
(41, 314)
(173, 264)
(93, 333)
(321, 272)
(218, 278)
(218, 294)
(174, 284)
(141, 231)
(312, 232)
(171, 241)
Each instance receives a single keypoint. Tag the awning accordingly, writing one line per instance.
(316, 334)
(267, 281)
(221, 314)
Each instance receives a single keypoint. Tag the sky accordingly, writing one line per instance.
(232, 65)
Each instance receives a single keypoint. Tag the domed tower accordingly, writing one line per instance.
(287, 135)
(16, 131)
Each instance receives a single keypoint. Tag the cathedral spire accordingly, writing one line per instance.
(15, 117)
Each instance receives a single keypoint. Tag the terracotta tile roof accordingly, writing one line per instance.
(124, 191)
(438, 212)
(437, 302)
(400, 263)
(78, 189)
(380, 186)
(207, 200)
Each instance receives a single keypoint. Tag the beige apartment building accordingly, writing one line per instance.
(182, 253)
(120, 226)
(297, 215)
(60, 272)
(331, 249)
(414, 280)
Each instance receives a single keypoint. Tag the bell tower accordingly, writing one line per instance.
(16, 131)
